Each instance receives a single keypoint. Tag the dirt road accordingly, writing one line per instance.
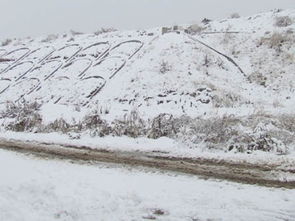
(269, 176)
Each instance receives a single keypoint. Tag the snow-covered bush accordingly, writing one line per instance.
(214, 133)
(11, 110)
(162, 125)
(252, 143)
(265, 133)
(96, 125)
(283, 21)
(92, 121)
(6, 42)
(240, 134)
(194, 29)
(59, 125)
(132, 125)
(165, 67)
(235, 15)
(105, 30)
(23, 116)
(74, 33)
(257, 132)
(225, 99)
(276, 41)
(217, 130)
(264, 137)
(228, 36)
(50, 38)
(287, 122)
(258, 78)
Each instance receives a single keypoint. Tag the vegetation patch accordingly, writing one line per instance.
(257, 132)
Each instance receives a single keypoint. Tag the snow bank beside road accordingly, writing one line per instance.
(52, 190)
(161, 147)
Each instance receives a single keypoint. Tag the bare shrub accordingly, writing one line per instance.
(165, 67)
(96, 125)
(132, 125)
(287, 122)
(283, 21)
(71, 39)
(11, 111)
(92, 121)
(276, 41)
(290, 31)
(217, 130)
(247, 134)
(227, 37)
(20, 109)
(213, 132)
(6, 42)
(259, 131)
(59, 125)
(162, 125)
(25, 116)
(265, 133)
(263, 142)
(206, 21)
(194, 29)
(158, 212)
(50, 38)
(74, 33)
(105, 30)
(101, 131)
(235, 15)
(258, 78)
(225, 99)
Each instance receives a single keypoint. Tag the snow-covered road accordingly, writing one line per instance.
(37, 189)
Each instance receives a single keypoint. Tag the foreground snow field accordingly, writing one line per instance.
(35, 189)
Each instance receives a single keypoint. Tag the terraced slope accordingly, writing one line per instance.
(226, 64)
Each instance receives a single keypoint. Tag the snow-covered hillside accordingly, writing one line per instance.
(235, 73)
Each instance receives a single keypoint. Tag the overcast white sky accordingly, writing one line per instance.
(21, 18)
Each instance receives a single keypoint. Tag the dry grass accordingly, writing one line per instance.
(105, 30)
(277, 40)
(165, 67)
(283, 21)
(228, 133)
(258, 78)
(6, 42)
(25, 115)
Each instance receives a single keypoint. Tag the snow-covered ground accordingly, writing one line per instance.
(35, 189)
(221, 90)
